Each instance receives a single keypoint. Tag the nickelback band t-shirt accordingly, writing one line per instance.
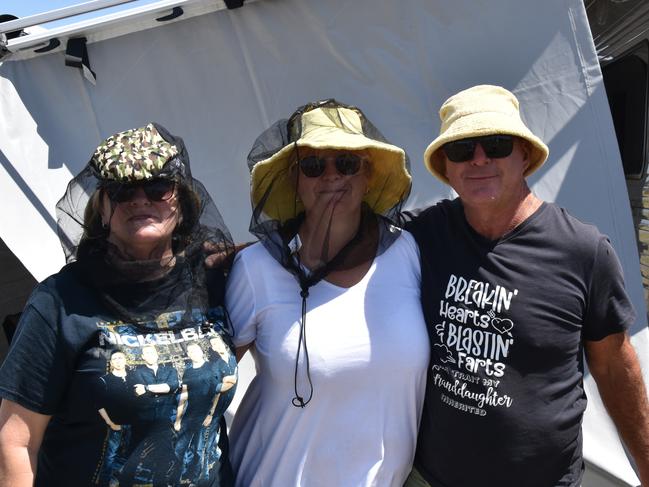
(132, 404)
(507, 320)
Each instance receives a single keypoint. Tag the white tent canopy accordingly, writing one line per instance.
(219, 78)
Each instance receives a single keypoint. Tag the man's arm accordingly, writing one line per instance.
(104, 414)
(180, 411)
(167, 381)
(208, 419)
(162, 388)
(616, 370)
(21, 434)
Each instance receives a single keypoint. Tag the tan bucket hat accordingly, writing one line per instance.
(478, 111)
(330, 126)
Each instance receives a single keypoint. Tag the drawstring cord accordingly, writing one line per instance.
(305, 283)
(298, 401)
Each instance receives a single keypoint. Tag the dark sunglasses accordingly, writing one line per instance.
(346, 164)
(154, 189)
(494, 146)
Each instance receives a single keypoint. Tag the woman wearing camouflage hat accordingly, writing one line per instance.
(133, 225)
(342, 407)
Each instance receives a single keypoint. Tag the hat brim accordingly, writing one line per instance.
(481, 124)
(275, 180)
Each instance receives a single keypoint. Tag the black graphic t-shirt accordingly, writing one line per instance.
(507, 320)
(117, 392)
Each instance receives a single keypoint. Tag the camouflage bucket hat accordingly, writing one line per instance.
(128, 158)
(137, 154)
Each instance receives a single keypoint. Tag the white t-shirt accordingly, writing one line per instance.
(368, 350)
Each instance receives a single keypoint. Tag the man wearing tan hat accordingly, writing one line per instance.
(513, 288)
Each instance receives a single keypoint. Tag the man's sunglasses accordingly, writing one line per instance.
(154, 189)
(494, 146)
(346, 164)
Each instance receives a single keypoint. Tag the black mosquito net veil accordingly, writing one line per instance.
(139, 291)
(278, 212)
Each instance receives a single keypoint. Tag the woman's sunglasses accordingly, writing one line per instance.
(346, 164)
(494, 146)
(154, 189)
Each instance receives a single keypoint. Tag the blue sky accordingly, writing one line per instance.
(24, 8)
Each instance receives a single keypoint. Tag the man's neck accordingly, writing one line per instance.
(493, 222)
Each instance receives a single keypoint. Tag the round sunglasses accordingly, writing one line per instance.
(346, 164)
(155, 190)
(494, 146)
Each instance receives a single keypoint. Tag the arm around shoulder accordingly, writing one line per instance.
(241, 351)
(616, 370)
(240, 302)
(21, 434)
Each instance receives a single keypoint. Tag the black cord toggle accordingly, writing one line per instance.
(298, 402)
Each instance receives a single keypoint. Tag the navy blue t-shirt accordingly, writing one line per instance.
(113, 388)
(507, 320)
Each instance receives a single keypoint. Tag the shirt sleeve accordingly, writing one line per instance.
(412, 254)
(240, 303)
(609, 309)
(36, 371)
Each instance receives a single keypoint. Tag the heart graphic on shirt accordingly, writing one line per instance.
(502, 325)
(439, 329)
(445, 353)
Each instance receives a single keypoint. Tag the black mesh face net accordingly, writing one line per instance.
(179, 278)
(325, 164)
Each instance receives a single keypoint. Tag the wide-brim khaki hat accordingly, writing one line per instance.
(478, 111)
(337, 128)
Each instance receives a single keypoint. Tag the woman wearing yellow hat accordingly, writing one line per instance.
(341, 407)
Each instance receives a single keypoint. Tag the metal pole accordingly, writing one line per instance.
(61, 13)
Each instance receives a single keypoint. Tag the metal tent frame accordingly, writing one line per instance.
(110, 25)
